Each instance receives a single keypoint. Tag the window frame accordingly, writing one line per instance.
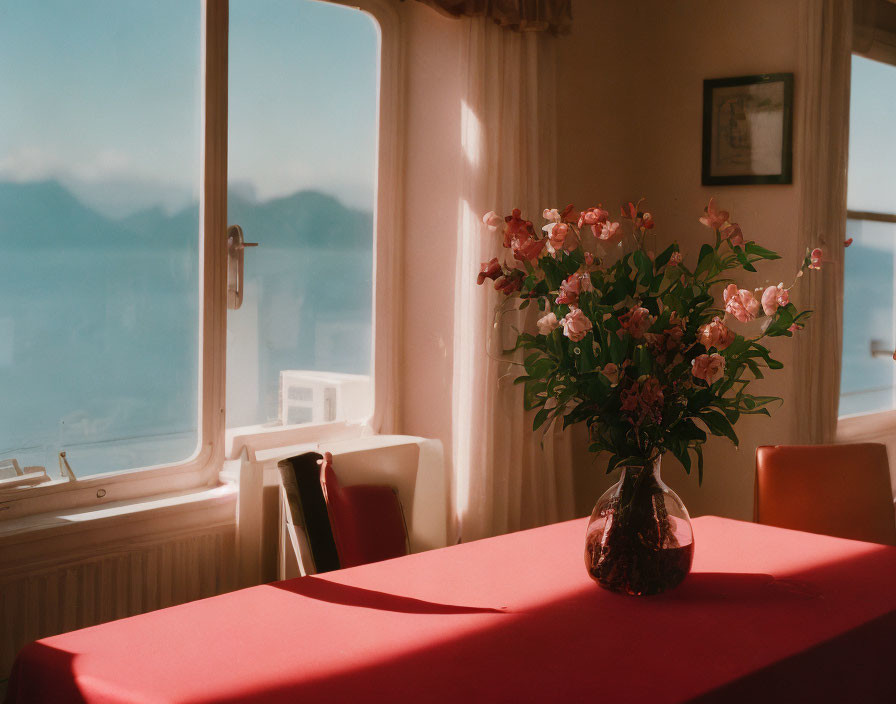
(203, 468)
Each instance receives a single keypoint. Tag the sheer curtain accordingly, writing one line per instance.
(504, 477)
(826, 41)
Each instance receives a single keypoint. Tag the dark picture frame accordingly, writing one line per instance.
(748, 130)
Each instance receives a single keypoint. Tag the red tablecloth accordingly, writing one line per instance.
(767, 614)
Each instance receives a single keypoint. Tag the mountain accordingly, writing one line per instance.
(46, 214)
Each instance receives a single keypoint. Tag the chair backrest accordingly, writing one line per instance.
(367, 520)
(840, 490)
(412, 466)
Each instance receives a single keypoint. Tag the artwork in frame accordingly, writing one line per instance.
(748, 130)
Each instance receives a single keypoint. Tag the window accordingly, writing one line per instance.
(114, 330)
(302, 173)
(100, 153)
(869, 317)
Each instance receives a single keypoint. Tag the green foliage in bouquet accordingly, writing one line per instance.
(640, 348)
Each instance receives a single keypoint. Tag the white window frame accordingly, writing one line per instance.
(202, 470)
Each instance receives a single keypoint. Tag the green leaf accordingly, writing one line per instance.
(718, 424)
(762, 252)
(742, 258)
(754, 368)
(534, 394)
(707, 257)
(664, 256)
(540, 418)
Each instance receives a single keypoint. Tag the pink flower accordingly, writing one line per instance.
(796, 327)
(675, 259)
(589, 259)
(611, 371)
(551, 214)
(489, 270)
(646, 222)
(714, 219)
(636, 321)
(593, 216)
(715, 334)
(815, 258)
(492, 220)
(733, 234)
(570, 290)
(575, 325)
(609, 232)
(558, 235)
(547, 324)
(740, 303)
(709, 367)
(773, 297)
(528, 250)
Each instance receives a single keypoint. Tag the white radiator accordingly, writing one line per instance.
(89, 591)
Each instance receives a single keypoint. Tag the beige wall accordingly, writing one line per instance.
(630, 126)
(633, 128)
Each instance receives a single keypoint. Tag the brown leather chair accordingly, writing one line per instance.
(840, 490)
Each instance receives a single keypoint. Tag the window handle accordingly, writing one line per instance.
(235, 246)
(879, 349)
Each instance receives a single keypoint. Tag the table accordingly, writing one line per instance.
(767, 614)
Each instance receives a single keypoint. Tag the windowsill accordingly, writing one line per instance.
(37, 537)
(865, 425)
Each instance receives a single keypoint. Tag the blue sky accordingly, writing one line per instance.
(100, 92)
(872, 137)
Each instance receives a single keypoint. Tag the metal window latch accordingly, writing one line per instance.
(879, 349)
(65, 468)
(235, 246)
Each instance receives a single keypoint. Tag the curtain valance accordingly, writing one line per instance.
(522, 15)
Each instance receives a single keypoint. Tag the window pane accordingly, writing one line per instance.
(99, 174)
(302, 166)
(867, 381)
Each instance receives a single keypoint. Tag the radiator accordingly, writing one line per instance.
(89, 591)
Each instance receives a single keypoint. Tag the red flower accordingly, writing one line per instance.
(528, 250)
(489, 270)
(569, 214)
(569, 290)
(509, 284)
(517, 228)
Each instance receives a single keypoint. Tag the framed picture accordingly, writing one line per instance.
(748, 130)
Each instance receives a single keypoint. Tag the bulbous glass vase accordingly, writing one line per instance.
(639, 539)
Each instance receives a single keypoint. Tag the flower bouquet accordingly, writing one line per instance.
(645, 349)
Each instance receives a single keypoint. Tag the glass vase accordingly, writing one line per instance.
(639, 539)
